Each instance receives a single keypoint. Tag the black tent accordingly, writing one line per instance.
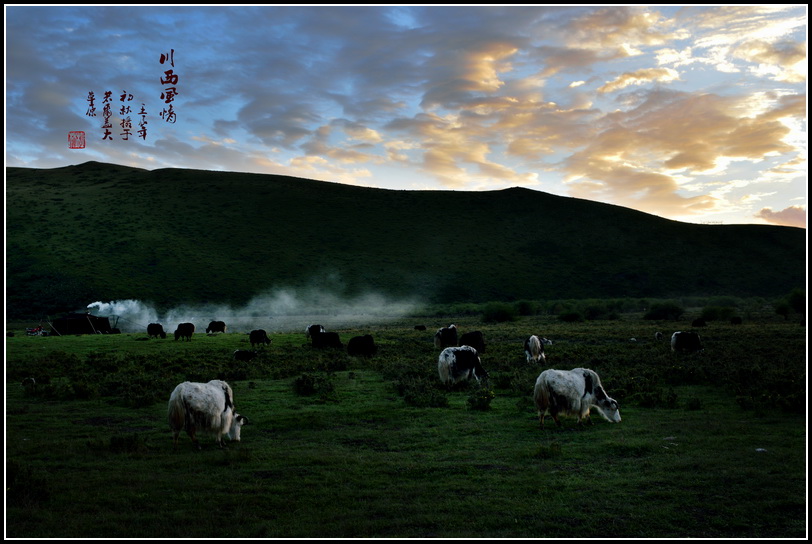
(81, 324)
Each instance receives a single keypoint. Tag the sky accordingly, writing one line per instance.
(691, 113)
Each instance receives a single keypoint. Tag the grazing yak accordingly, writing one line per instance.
(446, 337)
(362, 346)
(310, 330)
(534, 350)
(473, 339)
(688, 341)
(259, 336)
(154, 330)
(658, 336)
(326, 340)
(216, 326)
(204, 407)
(244, 355)
(572, 392)
(185, 331)
(456, 364)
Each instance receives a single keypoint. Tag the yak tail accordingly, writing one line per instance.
(541, 397)
(177, 411)
(229, 403)
(443, 368)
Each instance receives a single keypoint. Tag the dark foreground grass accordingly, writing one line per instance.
(358, 461)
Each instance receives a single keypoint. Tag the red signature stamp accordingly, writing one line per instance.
(76, 139)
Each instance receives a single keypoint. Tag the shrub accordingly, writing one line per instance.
(693, 403)
(598, 310)
(717, 313)
(24, 488)
(498, 312)
(549, 452)
(313, 384)
(797, 300)
(421, 392)
(664, 310)
(655, 398)
(309, 384)
(480, 397)
(127, 443)
(571, 317)
(527, 307)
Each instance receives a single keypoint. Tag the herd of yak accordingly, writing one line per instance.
(210, 408)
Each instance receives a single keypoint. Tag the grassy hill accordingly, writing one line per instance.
(89, 232)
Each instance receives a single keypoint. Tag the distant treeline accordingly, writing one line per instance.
(715, 308)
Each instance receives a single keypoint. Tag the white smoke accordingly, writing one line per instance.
(280, 310)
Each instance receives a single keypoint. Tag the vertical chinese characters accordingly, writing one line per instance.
(170, 78)
(91, 107)
(126, 114)
(126, 123)
(106, 113)
(142, 131)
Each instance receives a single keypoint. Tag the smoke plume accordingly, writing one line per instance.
(280, 310)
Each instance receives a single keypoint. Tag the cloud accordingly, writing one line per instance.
(462, 97)
(728, 25)
(461, 76)
(786, 54)
(573, 59)
(618, 27)
(793, 216)
(756, 35)
(640, 77)
(633, 155)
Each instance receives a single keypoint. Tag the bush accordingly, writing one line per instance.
(480, 397)
(654, 398)
(498, 312)
(23, 487)
(717, 313)
(549, 452)
(664, 310)
(571, 317)
(693, 403)
(598, 310)
(310, 384)
(527, 307)
(128, 443)
(421, 393)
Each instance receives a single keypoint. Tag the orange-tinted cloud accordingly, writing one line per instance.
(646, 156)
(794, 216)
(617, 27)
(640, 77)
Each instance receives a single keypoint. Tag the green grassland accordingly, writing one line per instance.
(712, 445)
(102, 232)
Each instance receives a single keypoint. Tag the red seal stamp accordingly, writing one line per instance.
(76, 139)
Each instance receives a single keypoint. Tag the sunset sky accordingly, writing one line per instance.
(696, 114)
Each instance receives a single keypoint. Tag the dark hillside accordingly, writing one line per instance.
(95, 231)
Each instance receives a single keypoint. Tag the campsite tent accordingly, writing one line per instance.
(81, 324)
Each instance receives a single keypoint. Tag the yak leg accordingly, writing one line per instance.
(190, 430)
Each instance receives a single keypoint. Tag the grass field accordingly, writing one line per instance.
(711, 445)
